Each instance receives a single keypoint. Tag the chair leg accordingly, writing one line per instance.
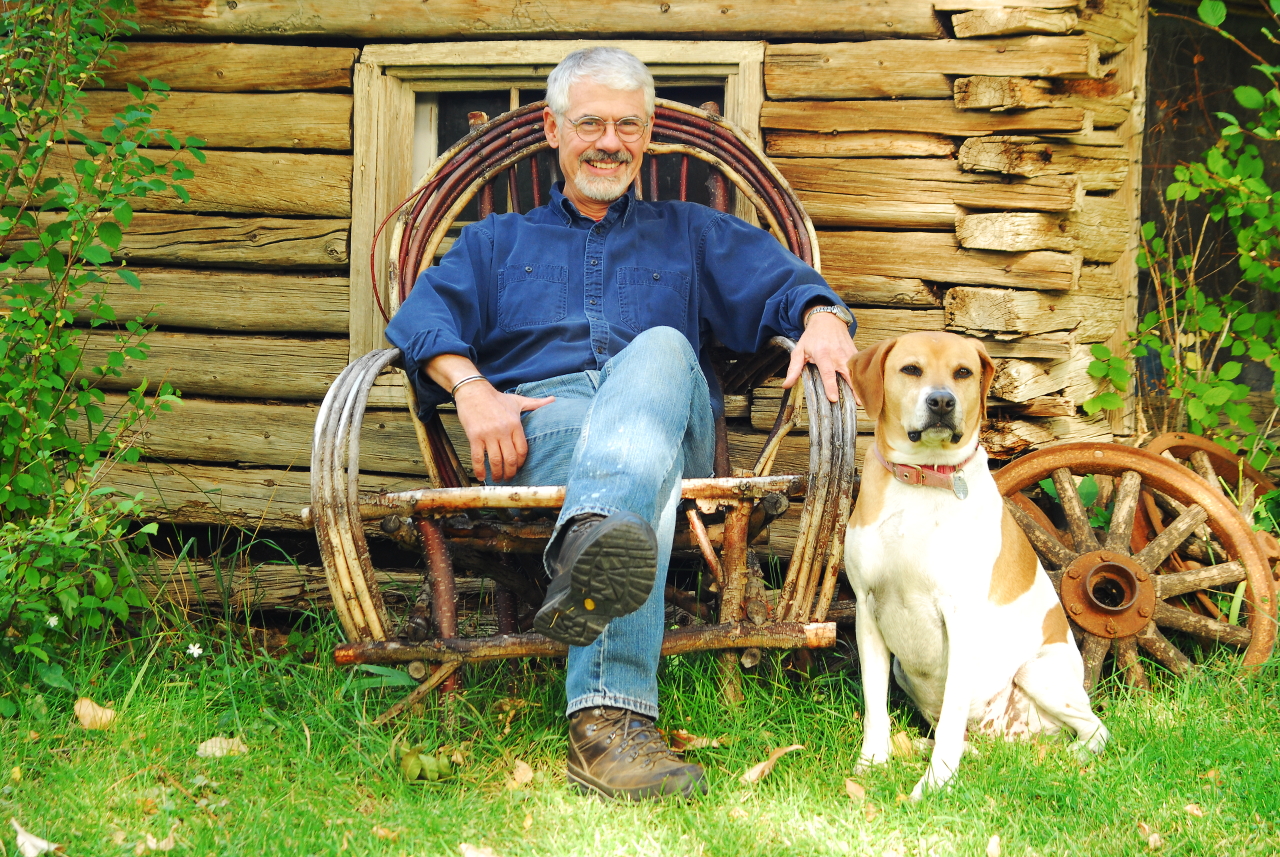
(444, 598)
(734, 565)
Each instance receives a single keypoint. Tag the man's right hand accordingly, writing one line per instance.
(492, 423)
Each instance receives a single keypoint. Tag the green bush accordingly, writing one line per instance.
(66, 542)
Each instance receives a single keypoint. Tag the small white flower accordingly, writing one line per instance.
(194, 650)
(51, 621)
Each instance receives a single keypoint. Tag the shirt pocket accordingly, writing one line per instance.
(649, 297)
(532, 295)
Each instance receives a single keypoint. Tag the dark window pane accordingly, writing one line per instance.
(454, 107)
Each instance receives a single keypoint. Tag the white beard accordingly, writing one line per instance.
(602, 188)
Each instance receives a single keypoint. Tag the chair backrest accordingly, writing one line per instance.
(495, 150)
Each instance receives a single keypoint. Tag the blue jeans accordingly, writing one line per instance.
(621, 439)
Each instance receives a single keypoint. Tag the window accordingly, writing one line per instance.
(412, 101)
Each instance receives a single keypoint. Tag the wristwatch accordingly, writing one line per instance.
(836, 310)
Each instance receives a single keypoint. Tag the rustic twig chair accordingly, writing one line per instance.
(795, 618)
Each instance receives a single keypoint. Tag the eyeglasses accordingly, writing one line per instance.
(591, 128)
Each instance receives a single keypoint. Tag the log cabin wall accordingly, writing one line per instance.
(971, 165)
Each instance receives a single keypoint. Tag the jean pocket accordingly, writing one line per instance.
(532, 295)
(649, 297)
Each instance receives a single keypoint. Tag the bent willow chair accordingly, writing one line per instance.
(501, 531)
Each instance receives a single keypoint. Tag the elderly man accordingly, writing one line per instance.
(571, 340)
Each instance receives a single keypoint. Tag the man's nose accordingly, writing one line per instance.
(941, 402)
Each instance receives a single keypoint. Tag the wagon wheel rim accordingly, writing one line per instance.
(1121, 600)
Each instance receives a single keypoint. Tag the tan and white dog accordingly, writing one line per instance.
(945, 579)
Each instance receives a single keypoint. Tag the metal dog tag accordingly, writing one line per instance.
(959, 486)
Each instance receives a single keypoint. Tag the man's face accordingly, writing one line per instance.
(598, 172)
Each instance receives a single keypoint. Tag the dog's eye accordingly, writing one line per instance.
(963, 372)
(911, 369)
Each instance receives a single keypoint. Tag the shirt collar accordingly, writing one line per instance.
(619, 209)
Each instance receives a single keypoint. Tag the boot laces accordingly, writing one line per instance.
(637, 735)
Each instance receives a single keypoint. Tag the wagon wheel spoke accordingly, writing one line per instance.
(1168, 616)
(1169, 585)
(1165, 652)
(1052, 551)
(1123, 512)
(1126, 650)
(1158, 550)
(1201, 464)
(1094, 652)
(1073, 508)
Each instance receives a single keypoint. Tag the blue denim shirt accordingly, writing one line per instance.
(532, 296)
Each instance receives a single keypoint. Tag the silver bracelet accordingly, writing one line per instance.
(467, 380)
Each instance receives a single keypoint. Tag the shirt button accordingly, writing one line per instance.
(594, 261)
(599, 349)
(593, 302)
(656, 277)
(528, 270)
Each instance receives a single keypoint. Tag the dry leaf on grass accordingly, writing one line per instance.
(217, 747)
(854, 790)
(521, 775)
(153, 844)
(473, 851)
(384, 833)
(1154, 840)
(32, 846)
(92, 715)
(738, 813)
(1194, 809)
(681, 740)
(902, 746)
(528, 821)
(760, 771)
(993, 845)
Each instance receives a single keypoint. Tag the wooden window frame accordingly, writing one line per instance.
(388, 78)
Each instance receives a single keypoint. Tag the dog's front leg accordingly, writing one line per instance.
(874, 657)
(953, 718)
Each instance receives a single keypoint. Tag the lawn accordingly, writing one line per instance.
(1192, 768)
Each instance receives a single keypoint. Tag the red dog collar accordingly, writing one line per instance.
(946, 476)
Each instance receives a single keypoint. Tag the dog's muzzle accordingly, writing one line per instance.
(940, 413)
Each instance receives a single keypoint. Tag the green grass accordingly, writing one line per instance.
(318, 781)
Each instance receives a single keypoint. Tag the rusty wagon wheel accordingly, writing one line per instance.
(1120, 600)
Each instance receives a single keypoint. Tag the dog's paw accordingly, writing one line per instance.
(867, 761)
(1087, 747)
(934, 780)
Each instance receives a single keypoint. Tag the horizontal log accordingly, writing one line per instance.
(1081, 428)
(868, 144)
(290, 120)
(938, 257)
(231, 67)
(921, 116)
(1106, 104)
(869, 290)
(489, 19)
(247, 182)
(913, 193)
(1091, 318)
(1111, 24)
(234, 301)
(907, 68)
(1096, 167)
(1004, 439)
(1047, 346)
(1099, 230)
(1103, 228)
(1012, 22)
(264, 586)
(1041, 406)
(234, 366)
(1026, 380)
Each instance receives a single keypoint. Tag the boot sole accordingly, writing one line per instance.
(585, 784)
(613, 576)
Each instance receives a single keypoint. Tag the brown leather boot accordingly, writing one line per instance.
(620, 754)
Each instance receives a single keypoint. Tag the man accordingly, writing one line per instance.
(570, 338)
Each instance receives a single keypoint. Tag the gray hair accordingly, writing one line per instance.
(611, 67)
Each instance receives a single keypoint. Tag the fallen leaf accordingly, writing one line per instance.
(166, 844)
(528, 820)
(870, 811)
(217, 747)
(473, 851)
(854, 790)
(521, 775)
(1154, 840)
(682, 739)
(738, 813)
(15, 776)
(760, 771)
(92, 715)
(1194, 809)
(32, 846)
(993, 845)
(902, 746)
(384, 833)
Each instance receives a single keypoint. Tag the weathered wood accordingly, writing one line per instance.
(247, 182)
(938, 257)
(1101, 228)
(1023, 380)
(1097, 167)
(1042, 406)
(913, 193)
(869, 144)
(1012, 22)
(1106, 105)
(869, 290)
(1096, 229)
(292, 120)
(1092, 318)
(1050, 346)
(472, 19)
(265, 586)
(241, 242)
(1005, 439)
(907, 68)
(230, 67)
(1112, 24)
(928, 117)
(1080, 428)
(234, 301)
(234, 366)
(767, 398)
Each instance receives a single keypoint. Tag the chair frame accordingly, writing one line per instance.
(340, 512)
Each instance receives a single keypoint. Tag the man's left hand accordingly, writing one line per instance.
(826, 344)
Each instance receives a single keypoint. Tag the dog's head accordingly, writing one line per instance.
(926, 391)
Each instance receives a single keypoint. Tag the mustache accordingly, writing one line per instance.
(622, 156)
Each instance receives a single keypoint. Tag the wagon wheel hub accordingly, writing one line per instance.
(1108, 594)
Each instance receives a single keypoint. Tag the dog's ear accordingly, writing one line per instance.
(867, 371)
(988, 373)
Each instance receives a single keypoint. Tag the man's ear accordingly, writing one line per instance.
(988, 373)
(867, 371)
(551, 128)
